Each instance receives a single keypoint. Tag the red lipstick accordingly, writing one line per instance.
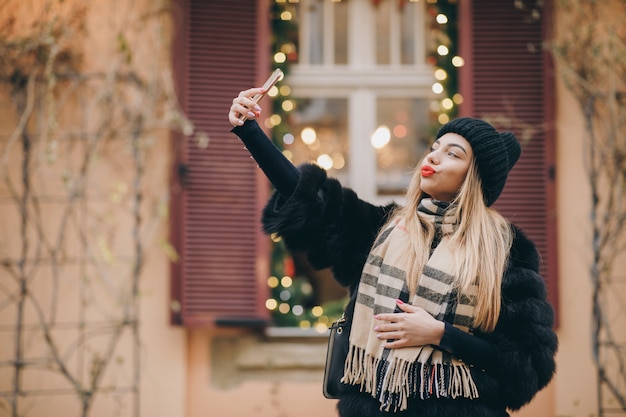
(427, 171)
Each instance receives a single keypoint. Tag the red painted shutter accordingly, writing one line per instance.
(508, 74)
(219, 278)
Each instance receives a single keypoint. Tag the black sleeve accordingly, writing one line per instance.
(470, 349)
(327, 222)
(283, 175)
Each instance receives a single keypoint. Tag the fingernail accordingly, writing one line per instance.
(257, 108)
(250, 114)
(375, 328)
(240, 122)
(399, 301)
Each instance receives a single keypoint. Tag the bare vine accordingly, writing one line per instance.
(592, 59)
(73, 173)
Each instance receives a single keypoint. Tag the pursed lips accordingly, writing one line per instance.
(427, 171)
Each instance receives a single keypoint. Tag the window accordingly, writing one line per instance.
(401, 138)
(319, 133)
(383, 80)
(388, 33)
(363, 94)
(345, 101)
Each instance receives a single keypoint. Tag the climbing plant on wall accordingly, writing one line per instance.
(78, 207)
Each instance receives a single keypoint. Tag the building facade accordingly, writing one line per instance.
(157, 302)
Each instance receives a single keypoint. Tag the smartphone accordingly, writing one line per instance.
(276, 76)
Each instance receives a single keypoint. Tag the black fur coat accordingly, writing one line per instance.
(336, 229)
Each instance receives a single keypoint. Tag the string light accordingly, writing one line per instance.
(288, 105)
(325, 161)
(437, 88)
(275, 119)
(381, 137)
(308, 135)
(288, 139)
(272, 282)
(458, 62)
(447, 103)
(338, 161)
(288, 48)
(280, 57)
(441, 74)
(321, 328)
(445, 59)
(400, 131)
(273, 92)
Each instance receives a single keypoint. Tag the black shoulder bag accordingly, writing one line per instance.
(336, 354)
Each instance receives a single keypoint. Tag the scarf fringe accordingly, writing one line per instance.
(399, 380)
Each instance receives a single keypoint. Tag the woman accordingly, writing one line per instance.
(449, 314)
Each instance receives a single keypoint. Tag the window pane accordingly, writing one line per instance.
(319, 134)
(341, 32)
(315, 19)
(407, 34)
(383, 34)
(401, 139)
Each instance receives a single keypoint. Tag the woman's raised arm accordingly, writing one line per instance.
(283, 175)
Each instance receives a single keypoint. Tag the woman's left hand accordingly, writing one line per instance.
(413, 327)
(244, 104)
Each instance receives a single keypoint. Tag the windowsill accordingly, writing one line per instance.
(281, 353)
(294, 333)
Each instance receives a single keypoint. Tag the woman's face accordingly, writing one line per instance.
(444, 168)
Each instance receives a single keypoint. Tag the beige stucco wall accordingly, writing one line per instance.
(264, 394)
(163, 354)
(163, 351)
(576, 379)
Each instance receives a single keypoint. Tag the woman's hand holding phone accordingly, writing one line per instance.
(245, 105)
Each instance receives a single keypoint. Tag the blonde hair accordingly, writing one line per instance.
(481, 245)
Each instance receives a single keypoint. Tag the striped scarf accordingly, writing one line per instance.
(395, 375)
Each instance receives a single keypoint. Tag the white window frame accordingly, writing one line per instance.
(362, 82)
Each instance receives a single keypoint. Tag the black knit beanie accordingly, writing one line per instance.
(495, 152)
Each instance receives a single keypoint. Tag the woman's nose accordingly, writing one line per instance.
(432, 157)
